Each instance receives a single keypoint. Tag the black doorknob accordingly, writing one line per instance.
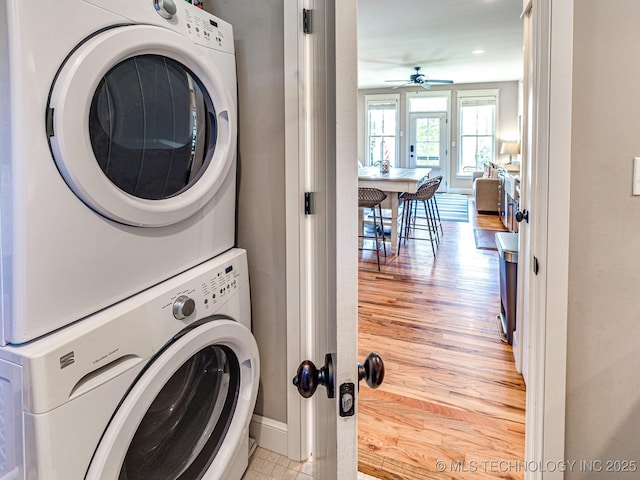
(308, 377)
(522, 215)
(372, 370)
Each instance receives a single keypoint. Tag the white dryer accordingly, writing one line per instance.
(159, 386)
(117, 153)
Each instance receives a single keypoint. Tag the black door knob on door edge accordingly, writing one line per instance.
(309, 377)
(372, 370)
(522, 215)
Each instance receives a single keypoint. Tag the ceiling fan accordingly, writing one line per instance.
(421, 80)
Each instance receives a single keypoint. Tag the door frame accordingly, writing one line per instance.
(320, 126)
(552, 48)
(299, 441)
(546, 395)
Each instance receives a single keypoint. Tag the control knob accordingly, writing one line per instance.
(166, 8)
(183, 307)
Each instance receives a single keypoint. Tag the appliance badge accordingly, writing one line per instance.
(66, 360)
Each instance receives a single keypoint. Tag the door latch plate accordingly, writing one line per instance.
(347, 399)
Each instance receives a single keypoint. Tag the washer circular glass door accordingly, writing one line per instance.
(142, 125)
(194, 397)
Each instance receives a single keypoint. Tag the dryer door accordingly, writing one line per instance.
(142, 124)
(188, 412)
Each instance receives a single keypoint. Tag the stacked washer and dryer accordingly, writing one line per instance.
(126, 350)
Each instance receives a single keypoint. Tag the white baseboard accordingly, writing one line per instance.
(269, 434)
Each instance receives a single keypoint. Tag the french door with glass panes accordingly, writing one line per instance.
(428, 143)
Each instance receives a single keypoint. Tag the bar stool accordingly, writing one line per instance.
(424, 194)
(372, 198)
(434, 202)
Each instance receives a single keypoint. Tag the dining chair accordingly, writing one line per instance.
(372, 198)
(410, 219)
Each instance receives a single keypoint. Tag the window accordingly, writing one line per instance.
(382, 129)
(477, 127)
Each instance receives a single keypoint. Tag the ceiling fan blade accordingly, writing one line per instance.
(429, 80)
(403, 85)
(403, 80)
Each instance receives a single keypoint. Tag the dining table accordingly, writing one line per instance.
(393, 182)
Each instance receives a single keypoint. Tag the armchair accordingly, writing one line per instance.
(486, 193)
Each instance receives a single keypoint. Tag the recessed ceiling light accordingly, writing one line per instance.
(478, 52)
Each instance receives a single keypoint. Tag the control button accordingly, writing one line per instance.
(166, 8)
(183, 307)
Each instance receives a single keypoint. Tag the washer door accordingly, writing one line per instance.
(141, 125)
(187, 412)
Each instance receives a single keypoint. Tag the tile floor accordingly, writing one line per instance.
(267, 465)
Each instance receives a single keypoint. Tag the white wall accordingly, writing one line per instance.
(258, 33)
(603, 365)
(507, 122)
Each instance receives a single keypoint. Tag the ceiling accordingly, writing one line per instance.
(440, 36)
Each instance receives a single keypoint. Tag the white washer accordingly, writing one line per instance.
(134, 392)
(117, 153)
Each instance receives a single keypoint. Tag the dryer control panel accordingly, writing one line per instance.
(207, 30)
(202, 27)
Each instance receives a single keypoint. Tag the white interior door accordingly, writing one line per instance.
(335, 445)
(324, 241)
(428, 143)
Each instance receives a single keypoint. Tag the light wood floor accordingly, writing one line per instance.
(452, 405)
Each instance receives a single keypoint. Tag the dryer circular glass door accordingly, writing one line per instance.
(187, 412)
(142, 125)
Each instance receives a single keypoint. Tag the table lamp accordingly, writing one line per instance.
(510, 148)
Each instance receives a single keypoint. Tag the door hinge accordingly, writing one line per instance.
(306, 20)
(536, 265)
(308, 203)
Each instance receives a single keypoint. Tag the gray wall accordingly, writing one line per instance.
(507, 125)
(603, 370)
(258, 33)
